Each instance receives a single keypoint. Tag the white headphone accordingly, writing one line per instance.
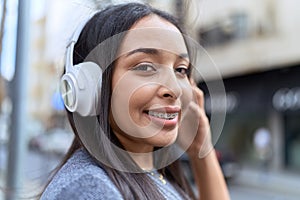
(80, 86)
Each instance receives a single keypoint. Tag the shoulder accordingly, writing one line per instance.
(81, 178)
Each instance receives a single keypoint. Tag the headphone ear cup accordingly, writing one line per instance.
(80, 88)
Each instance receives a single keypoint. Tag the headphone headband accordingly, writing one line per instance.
(72, 42)
(80, 86)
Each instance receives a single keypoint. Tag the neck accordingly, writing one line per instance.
(143, 160)
(140, 152)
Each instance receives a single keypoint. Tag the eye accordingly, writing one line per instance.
(182, 70)
(146, 67)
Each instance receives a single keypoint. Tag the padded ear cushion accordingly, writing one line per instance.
(80, 88)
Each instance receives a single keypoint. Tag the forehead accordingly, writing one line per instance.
(156, 33)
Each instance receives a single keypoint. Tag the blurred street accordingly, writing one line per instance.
(249, 184)
(256, 184)
(250, 50)
(249, 193)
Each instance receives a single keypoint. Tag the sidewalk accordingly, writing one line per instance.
(280, 182)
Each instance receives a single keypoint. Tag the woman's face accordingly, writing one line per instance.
(150, 86)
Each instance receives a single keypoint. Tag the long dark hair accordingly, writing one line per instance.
(103, 25)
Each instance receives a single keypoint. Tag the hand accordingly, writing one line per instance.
(194, 132)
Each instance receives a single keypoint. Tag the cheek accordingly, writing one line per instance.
(127, 105)
(140, 98)
(127, 112)
(130, 89)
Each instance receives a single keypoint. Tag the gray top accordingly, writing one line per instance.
(81, 178)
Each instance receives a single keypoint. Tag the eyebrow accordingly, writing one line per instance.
(153, 51)
(184, 56)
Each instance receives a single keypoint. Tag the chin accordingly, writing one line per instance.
(164, 140)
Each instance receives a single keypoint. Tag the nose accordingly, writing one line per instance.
(169, 88)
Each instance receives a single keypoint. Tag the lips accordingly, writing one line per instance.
(164, 117)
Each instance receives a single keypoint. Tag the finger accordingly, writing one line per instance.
(195, 110)
(192, 81)
(199, 96)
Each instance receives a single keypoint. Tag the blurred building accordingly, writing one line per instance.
(255, 46)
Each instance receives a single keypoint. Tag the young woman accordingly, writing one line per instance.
(148, 103)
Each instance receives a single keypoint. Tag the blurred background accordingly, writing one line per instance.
(253, 43)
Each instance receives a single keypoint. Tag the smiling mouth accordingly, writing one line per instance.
(163, 115)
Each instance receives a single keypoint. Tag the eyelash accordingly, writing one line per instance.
(186, 71)
(147, 67)
(144, 67)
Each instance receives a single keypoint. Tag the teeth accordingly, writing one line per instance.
(163, 115)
